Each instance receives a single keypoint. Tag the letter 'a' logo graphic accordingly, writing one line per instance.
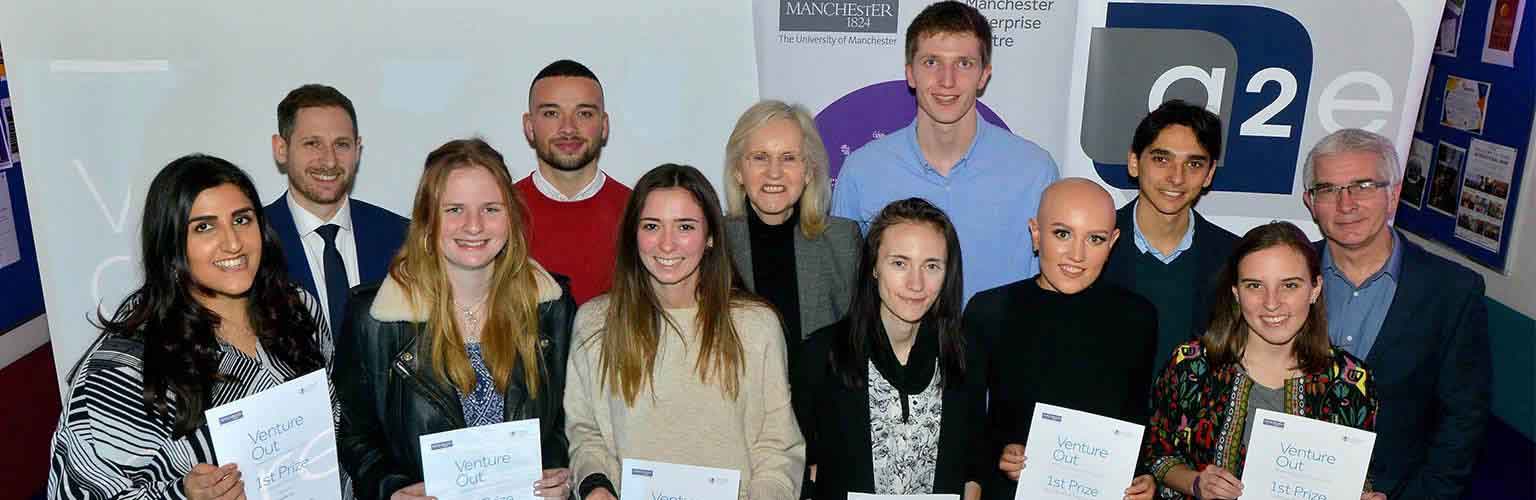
(1249, 64)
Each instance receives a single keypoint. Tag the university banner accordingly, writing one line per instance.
(1076, 77)
(844, 60)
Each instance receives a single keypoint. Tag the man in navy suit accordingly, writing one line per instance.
(332, 241)
(1417, 319)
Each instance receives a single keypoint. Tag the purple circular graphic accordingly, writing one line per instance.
(869, 113)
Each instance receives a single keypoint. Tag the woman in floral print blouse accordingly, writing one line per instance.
(1267, 347)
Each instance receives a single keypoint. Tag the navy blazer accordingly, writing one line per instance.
(377, 232)
(1210, 249)
(1431, 361)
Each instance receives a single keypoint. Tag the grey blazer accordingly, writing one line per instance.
(824, 268)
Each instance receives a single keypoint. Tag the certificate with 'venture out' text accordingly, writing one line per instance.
(647, 480)
(1074, 454)
(489, 462)
(283, 439)
(1295, 457)
(871, 496)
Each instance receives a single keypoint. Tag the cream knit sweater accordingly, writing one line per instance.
(680, 419)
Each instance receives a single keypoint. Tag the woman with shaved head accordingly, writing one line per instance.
(1037, 332)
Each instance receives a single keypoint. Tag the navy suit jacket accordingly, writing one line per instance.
(1431, 362)
(377, 232)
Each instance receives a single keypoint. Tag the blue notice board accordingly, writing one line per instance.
(1462, 178)
(21, 287)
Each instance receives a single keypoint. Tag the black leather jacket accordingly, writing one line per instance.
(389, 396)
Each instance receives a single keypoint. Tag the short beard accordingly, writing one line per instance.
(547, 156)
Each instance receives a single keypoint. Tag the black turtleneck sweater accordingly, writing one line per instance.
(773, 270)
(1090, 351)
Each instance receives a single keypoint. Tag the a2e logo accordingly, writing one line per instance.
(1252, 65)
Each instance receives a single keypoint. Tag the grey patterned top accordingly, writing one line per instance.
(905, 452)
(484, 405)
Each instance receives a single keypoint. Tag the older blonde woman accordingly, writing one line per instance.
(784, 244)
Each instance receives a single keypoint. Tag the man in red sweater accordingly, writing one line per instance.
(573, 208)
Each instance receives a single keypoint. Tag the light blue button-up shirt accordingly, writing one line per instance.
(990, 195)
(1145, 246)
(1355, 314)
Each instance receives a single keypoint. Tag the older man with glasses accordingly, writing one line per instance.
(1418, 319)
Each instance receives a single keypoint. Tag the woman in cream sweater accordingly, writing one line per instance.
(676, 364)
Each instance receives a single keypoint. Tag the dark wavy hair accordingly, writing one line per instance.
(849, 356)
(181, 352)
(1227, 336)
(1205, 124)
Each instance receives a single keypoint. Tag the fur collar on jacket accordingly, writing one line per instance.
(390, 304)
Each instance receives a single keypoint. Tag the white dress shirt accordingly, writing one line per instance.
(314, 245)
(548, 189)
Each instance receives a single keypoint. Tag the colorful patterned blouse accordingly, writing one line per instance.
(1198, 409)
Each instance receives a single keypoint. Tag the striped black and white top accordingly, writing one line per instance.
(109, 446)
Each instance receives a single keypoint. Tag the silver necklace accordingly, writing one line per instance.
(471, 316)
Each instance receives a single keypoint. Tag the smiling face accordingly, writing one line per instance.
(947, 74)
(1353, 221)
(565, 123)
(772, 171)
(472, 222)
(320, 157)
(1172, 171)
(910, 271)
(1275, 291)
(1073, 233)
(672, 238)
(223, 243)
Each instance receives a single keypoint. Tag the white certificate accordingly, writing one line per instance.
(647, 480)
(283, 439)
(869, 496)
(1074, 454)
(489, 462)
(1297, 457)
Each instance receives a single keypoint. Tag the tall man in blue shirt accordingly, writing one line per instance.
(988, 180)
(1172, 254)
(332, 241)
(1417, 319)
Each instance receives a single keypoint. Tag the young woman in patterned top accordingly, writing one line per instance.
(1267, 347)
(215, 320)
(891, 399)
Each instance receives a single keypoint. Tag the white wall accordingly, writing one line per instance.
(108, 92)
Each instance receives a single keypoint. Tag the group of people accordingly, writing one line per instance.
(819, 341)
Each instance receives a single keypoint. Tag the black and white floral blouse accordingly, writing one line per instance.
(905, 436)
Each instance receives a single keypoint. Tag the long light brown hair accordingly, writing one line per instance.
(1227, 337)
(510, 336)
(633, 327)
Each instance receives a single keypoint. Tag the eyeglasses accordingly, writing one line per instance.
(1330, 193)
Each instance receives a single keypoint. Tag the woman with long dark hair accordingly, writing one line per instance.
(215, 320)
(466, 330)
(889, 399)
(676, 364)
(1267, 348)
